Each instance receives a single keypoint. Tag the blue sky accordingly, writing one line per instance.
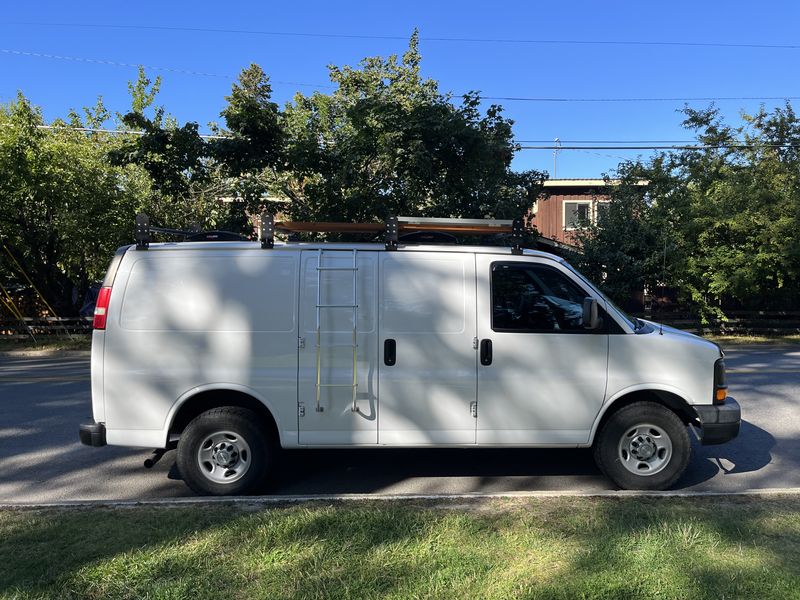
(496, 69)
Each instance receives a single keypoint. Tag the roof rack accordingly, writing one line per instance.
(392, 229)
(144, 233)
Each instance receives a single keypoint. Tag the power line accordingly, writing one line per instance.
(693, 99)
(608, 141)
(114, 63)
(653, 147)
(454, 39)
(112, 131)
(551, 147)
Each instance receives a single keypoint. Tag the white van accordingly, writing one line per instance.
(233, 350)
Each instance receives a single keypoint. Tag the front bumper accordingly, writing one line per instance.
(93, 434)
(719, 423)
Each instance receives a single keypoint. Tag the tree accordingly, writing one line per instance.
(386, 141)
(64, 208)
(250, 149)
(727, 215)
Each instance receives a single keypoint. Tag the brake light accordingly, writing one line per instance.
(101, 308)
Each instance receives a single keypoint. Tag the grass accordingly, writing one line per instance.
(539, 548)
(738, 340)
(50, 343)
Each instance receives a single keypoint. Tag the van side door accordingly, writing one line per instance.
(428, 365)
(543, 378)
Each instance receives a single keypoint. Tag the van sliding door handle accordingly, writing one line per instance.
(389, 352)
(486, 352)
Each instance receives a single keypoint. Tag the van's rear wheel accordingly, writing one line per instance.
(643, 446)
(224, 452)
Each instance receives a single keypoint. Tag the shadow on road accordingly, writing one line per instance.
(749, 452)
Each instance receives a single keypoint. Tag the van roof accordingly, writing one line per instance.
(402, 247)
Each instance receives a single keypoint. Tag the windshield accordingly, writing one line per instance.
(634, 323)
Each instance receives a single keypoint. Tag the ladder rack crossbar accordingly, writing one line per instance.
(405, 225)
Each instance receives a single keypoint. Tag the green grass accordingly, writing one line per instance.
(50, 343)
(542, 548)
(738, 340)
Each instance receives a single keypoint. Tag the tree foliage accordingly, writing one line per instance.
(727, 215)
(65, 208)
(386, 141)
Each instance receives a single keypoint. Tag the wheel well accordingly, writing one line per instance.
(199, 403)
(667, 399)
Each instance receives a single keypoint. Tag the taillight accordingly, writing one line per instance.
(101, 308)
(720, 385)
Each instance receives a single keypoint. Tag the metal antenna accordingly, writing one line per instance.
(556, 147)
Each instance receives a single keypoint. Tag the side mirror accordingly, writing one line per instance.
(591, 320)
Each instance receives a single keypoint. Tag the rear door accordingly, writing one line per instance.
(428, 363)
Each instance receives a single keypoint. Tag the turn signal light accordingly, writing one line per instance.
(721, 395)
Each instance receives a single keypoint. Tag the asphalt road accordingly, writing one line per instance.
(42, 401)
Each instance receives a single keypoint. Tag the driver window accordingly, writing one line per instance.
(535, 298)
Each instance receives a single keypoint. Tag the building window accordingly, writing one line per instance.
(577, 214)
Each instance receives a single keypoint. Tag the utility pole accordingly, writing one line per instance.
(556, 147)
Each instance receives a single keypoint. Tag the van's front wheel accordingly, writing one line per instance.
(224, 452)
(643, 446)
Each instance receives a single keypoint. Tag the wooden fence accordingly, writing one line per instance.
(44, 326)
(739, 322)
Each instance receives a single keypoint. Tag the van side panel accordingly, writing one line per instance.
(183, 319)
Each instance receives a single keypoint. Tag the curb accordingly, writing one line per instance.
(342, 498)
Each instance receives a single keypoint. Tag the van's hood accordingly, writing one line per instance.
(679, 334)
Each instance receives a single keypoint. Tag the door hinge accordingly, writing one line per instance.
(474, 343)
(301, 409)
(473, 409)
(301, 342)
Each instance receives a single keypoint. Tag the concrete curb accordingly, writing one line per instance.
(342, 498)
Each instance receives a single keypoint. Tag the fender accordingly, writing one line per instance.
(208, 387)
(639, 387)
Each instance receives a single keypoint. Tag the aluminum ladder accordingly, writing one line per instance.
(320, 306)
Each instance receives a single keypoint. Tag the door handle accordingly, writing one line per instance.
(389, 352)
(486, 352)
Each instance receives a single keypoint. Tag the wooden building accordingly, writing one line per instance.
(568, 204)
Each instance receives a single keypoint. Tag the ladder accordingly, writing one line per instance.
(320, 306)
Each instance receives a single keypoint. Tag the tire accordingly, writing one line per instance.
(643, 446)
(225, 452)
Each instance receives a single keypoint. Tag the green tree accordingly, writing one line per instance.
(250, 148)
(386, 141)
(727, 215)
(64, 208)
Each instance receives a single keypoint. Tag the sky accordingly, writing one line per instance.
(198, 66)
